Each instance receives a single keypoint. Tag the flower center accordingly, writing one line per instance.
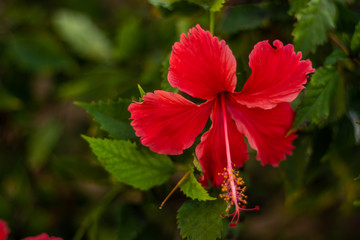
(233, 186)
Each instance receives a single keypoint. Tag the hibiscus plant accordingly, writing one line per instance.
(212, 119)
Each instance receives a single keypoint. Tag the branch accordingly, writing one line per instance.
(337, 42)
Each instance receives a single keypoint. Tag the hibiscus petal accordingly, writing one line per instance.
(167, 122)
(277, 75)
(266, 130)
(4, 230)
(211, 151)
(43, 236)
(201, 65)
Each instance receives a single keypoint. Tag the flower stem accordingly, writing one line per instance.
(212, 22)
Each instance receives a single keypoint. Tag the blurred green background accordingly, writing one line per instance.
(53, 53)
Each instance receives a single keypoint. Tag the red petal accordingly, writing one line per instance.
(277, 75)
(266, 130)
(202, 66)
(211, 152)
(4, 230)
(167, 122)
(43, 236)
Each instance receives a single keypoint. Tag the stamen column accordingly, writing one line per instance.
(229, 169)
(233, 186)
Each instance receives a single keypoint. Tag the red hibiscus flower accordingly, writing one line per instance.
(205, 68)
(43, 236)
(4, 230)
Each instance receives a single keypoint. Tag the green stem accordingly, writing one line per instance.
(212, 21)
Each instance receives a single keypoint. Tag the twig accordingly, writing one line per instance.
(173, 190)
(337, 42)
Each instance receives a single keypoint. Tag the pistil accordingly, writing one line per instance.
(233, 186)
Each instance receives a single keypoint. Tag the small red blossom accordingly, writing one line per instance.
(204, 67)
(43, 236)
(4, 230)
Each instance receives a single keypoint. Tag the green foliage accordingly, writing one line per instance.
(75, 168)
(313, 23)
(163, 3)
(355, 40)
(90, 84)
(201, 220)
(197, 164)
(97, 52)
(245, 17)
(139, 168)
(131, 224)
(112, 116)
(335, 56)
(8, 102)
(297, 5)
(217, 5)
(39, 52)
(294, 168)
(318, 96)
(82, 35)
(141, 91)
(42, 143)
(212, 5)
(129, 39)
(165, 85)
(193, 189)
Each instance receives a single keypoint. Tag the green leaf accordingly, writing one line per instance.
(355, 40)
(39, 52)
(165, 85)
(201, 220)
(217, 5)
(335, 56)
(357, 203)
(294, 168)
(82, 35)
(141, 90)
(139, 168)
(357, 178)
(163, 3)
(130, 39)
(8, 102)
(74, 168)
(313, 25)
(212, 5)
(338, 101)
(89, 85)
(113, 117)
(318, 97)
(245, 17)
(42, 142)
(193, 189)
(130, 224)
(197, 164)
(297, 5)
